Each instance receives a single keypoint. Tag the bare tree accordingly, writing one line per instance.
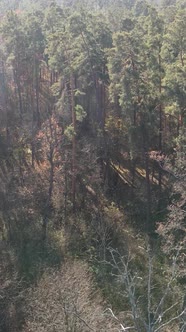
(66, 300)
(155, 309)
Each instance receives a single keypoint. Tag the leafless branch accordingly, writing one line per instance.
(83, 321)
(159, 306)
(149, 290)
(155, 316)
(163, 313)
(122, 326)
(169, 321)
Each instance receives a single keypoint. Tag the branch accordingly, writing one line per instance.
(161, 315)
(149, 289)
(81, 319)
(122, 327)
(170, 321)
(166, 290)
(130, 286)
(183, 327)
(167, 170)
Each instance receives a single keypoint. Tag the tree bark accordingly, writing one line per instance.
(160, 127)
(17, 82)
(73, 112)
(147, 177)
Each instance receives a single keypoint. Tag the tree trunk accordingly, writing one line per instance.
(73, 112)
(160, 129)
(17, 82)
(147, 177)
(37, 94)
(50, 192)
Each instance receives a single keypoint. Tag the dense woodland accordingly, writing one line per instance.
(92, 165)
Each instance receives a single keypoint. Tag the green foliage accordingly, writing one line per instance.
(80, 113)
(69, 132)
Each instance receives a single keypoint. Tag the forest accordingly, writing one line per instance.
(92, 165)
